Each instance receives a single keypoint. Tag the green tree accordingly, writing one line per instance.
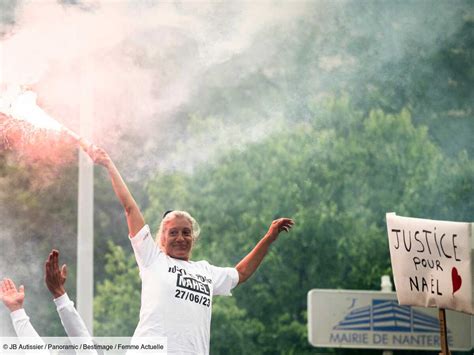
(337, 176)
(117, 300)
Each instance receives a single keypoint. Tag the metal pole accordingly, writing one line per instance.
(472, 258)
(386, 286)
(85, 217)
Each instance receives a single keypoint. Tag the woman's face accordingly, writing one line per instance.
(178, 239)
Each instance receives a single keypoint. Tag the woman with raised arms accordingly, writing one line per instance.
(176, 297)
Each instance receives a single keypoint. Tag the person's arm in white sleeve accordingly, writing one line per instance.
(22, 325)
(247, 266)
(72, 322)
(13, 299)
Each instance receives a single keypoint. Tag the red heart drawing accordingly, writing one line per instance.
(456, 278)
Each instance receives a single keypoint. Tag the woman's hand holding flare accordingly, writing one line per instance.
(99, 156)
(133, 214)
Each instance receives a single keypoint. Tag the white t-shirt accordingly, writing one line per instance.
(176, 298)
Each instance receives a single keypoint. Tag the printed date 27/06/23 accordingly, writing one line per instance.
(190, 296)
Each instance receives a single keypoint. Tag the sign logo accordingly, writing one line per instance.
(375, 320)
(388, 316)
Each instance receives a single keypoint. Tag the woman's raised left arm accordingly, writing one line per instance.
(247, 266)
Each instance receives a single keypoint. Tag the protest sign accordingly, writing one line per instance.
(432, 262)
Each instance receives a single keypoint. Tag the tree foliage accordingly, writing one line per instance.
(117, 303)
(337, 176)
(359, 109)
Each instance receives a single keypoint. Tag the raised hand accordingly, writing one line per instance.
(134, 216)
(11, 297)
(54, 277)
(279, 225)
(98, 155)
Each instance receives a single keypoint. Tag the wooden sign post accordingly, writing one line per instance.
(443, 332)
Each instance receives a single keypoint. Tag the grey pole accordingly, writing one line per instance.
(386, 286)
(472, 258)
(85, 218)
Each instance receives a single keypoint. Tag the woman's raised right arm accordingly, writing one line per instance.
(133, 214)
